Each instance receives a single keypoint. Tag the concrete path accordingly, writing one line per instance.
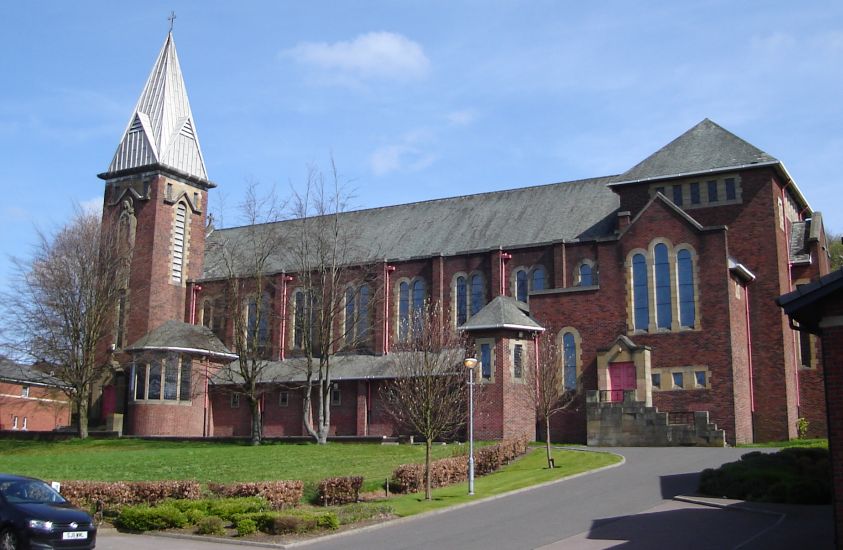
(626, 507)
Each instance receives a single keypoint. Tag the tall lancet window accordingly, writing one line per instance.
(178, 242)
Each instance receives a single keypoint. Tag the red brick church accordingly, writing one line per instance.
(658, 284)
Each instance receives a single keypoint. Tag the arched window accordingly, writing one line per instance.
(640, 296)
(662, 278)
(478, 295)
(356, 315)
(350, 317)
(257, 323)
(418, 306)
(537, 282)
(685, 276)
(585, 275)
(363, 328)
(403, 311)
(305, 333)
(521, 285)
(299, 323)
(461, 299)
(569, 361)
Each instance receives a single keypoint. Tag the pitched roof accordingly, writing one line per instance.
(508, 219)
(15, 372)
(161, 130)
(707, 147)
(504, 312)
(806, 304)
(182, 337)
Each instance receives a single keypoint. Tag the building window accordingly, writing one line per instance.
(656, 379)
(213, 316)
(640, 294)
(356, 315)
(586, 274)
(24, 391)
(678, 380)
(486, 366)
(461, 300)
(569, 361)
(234, 403)
(478, 293)
(518, 361)
(305, 328)
(663, 298)
(695, 193)
(14, 422)
(521, 285)
(685, 274)
(528, 279)
(699, 378)
(178, 242)
(258, 312)
(677, 195)
(805, 349)
(730, 189)
(283, 398)
(23, 426)
(411, 297)
(169, 382)
(712, 191)
(336, 395)
(120, 331)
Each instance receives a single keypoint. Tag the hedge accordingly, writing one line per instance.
(122, 493)
(279, 494)
(281, 523)
(150, 518)
(409, 478)
(339, 490)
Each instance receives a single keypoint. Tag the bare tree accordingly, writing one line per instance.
(64, 303)
(245, 259)
(324, 256)
(547, 386)
(428, 393)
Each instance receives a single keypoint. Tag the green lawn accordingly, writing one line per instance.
(530, 470)
(144, 460)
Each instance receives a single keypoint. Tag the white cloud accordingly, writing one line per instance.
(370, 55)
(401, 157)
(92, 206)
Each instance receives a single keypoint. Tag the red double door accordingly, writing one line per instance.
(621, 377)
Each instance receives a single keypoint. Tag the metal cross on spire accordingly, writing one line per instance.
(171, 19)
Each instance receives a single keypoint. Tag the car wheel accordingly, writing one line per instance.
(8, 539)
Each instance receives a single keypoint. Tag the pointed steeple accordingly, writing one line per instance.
(161, 130)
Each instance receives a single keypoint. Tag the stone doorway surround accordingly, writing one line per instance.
(624, 350)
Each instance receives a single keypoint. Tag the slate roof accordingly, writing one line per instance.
(806, 304)
(504, 312)
(182, 337)
(343, 367)
(509, 219)
(707, 147)
(15, 372)
(161, 130)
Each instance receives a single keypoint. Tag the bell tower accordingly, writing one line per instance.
(156, 197)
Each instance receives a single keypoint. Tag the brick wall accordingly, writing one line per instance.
(44, 409)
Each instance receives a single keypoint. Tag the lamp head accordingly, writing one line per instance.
(469, 362)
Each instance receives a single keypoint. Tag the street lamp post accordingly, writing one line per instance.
(469, 363)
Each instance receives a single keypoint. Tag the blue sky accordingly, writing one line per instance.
(415, 100)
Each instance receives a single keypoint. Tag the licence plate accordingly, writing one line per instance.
(74, 535)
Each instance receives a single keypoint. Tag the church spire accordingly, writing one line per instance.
(161, 130)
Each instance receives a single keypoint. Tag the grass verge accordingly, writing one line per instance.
(528, 471)
(821, 443)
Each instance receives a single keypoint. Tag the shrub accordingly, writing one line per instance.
(802, 425)
(122, 493)
(361, 511)
(409, 478)
(146, 518)
(194, 515)
(339, 490)
(211, 525)
(279, 494)
(225, 508)
(280, 523)
(245, 527)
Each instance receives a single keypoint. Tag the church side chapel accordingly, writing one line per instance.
(658, 286)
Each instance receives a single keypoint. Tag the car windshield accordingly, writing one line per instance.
(29, 490)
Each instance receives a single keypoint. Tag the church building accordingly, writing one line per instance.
(658, 286)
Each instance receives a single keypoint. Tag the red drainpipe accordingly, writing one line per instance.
(749, 351)
(536, 346)
(386, 271)
(282, 344)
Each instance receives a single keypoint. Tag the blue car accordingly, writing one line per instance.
(33, 515)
